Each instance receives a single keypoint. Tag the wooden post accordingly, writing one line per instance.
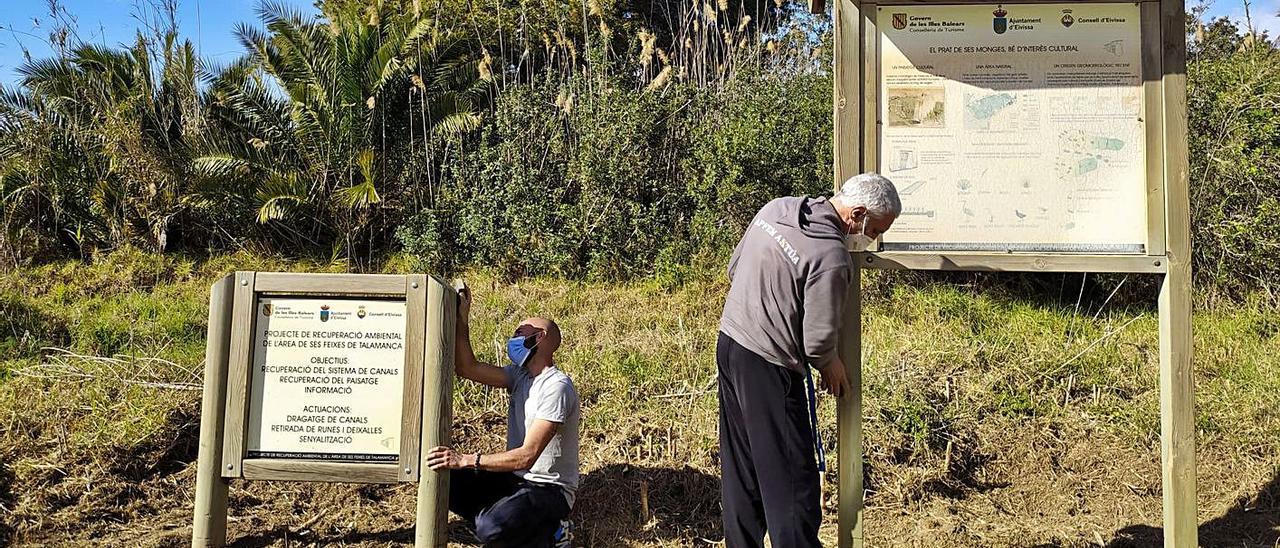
(239, 357)
(847, 95)
(209, 525)
(437, 414)
(848, 160)
(849, 420)
(1177, 394)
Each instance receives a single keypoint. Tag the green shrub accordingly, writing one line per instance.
(1234, 105)
(763, 137)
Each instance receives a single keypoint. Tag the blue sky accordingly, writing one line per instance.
(1263, 13)
(210, 24)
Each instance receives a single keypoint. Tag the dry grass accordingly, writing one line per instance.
(998, 419)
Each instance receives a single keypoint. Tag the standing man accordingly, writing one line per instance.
(788, 277)
(519, 497)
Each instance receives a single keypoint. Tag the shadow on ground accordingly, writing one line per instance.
(1252, 522)
(682, 503)
(7, 501)
(459, 533)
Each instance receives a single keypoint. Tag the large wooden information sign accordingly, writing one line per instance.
(1024, 136)
(325, 377)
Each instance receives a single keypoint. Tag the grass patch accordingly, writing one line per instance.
(962, 387)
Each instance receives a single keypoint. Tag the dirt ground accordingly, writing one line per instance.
(1030, 487)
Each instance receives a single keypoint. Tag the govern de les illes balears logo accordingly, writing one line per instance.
(899, 21)
(924, 23)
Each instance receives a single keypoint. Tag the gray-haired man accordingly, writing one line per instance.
(788, 279)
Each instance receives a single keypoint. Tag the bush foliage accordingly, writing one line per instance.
(603, 143)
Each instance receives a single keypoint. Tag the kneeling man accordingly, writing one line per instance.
(518, 497)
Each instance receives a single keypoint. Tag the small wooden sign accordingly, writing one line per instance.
(326, 377)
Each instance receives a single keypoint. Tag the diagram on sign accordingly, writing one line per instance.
(911, 188)
(904, 160)
(917, 107)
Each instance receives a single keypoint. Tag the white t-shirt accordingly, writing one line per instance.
(549, 396)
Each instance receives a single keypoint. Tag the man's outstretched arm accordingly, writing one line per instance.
(520, 458)
(465, 363)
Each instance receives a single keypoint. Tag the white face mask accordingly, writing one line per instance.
(860, 242)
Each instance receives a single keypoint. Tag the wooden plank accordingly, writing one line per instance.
(1177, 398)
(847, 93)
(209, 525)
(415, 342)
(330, 284)
(240, 354)
(301, 470)
(870, 86)
(437, 414)
(849, 421)
(817, 6)
(1153, 120)
(988, 262)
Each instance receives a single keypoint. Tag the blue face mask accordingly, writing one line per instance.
(520, 348)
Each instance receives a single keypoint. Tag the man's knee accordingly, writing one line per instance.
(493, 527)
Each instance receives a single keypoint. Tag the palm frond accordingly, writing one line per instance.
(280, 197)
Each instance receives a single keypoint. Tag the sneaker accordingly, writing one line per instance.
(564, 535)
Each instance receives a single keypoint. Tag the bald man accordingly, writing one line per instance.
(518, 497)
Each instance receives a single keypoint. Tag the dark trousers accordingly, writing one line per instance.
(769, 474)
(506, 510)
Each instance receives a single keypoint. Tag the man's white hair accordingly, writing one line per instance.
(873, 191)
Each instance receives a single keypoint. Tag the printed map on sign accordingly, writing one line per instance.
(980, 111)
(1014, 127)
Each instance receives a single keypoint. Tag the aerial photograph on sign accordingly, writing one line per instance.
(923, 107)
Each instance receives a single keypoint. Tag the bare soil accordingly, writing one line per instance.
(1019, 484)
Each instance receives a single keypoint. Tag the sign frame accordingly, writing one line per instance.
(1168, 254)
(426, 414)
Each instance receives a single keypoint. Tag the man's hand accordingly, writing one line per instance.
(833, 378)
(444, 458)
